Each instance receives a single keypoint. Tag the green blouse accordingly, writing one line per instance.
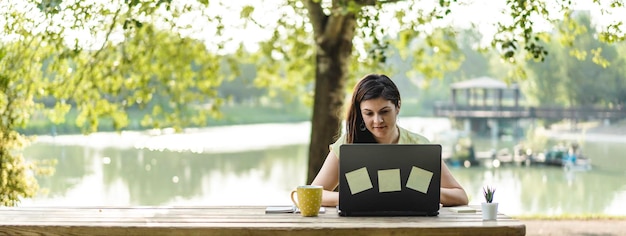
(406, 137)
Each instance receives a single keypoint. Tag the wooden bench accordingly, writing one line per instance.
(243, 220)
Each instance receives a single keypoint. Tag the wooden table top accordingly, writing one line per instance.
(238, 220)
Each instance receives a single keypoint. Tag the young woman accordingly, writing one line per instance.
(372, 116)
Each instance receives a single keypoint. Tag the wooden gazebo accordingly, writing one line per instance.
(481, 87)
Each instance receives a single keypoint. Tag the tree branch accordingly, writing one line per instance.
(316, 14)
(374, 2)
(333, 28)
(93, 59)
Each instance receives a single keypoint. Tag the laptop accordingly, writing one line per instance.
(389, 179)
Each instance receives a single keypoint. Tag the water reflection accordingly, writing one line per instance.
(544, 190)
(125, 176)
(141, 177)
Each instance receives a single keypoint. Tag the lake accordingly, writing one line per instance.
(261, 164)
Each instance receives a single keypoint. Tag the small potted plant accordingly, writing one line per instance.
(489, 208)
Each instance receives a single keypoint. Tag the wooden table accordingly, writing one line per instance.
(243, 220)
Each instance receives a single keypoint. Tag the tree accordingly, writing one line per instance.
(104, 57)
(570, 76)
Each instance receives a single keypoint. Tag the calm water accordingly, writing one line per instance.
(242, 165)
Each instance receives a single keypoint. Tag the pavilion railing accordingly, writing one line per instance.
(545, 112)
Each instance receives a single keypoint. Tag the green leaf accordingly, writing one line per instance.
(246, 12)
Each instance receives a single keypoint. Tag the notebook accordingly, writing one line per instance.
(287, 209)
(389, 179)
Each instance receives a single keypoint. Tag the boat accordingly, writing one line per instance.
(571, 159)
(580, 164)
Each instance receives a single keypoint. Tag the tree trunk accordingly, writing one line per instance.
(332, 60)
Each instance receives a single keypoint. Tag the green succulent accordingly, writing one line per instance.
(489, 192)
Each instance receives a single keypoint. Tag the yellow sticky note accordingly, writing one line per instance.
(389, 180)
(359, 180)
(419, 179)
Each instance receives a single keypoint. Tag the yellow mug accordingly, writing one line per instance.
(309, 199)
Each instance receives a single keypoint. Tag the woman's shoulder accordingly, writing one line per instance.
(409, 137)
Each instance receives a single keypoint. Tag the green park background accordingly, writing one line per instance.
(74, 67)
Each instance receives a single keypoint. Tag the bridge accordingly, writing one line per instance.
(488, 105)
(543, 112)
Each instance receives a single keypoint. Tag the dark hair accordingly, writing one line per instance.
(371, 86)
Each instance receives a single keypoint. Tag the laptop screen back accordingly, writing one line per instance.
(389, 179)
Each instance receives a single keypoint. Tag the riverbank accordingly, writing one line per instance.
(222, 139)
(590, 131)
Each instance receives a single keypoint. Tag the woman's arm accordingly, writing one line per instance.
(328, 177)
(452, 193)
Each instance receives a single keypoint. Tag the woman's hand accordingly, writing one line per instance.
(452, 193)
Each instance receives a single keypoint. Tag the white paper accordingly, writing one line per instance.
(419, 179)
(389, 180)
(359, 180)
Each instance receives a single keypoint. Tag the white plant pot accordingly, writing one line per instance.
(490, 210)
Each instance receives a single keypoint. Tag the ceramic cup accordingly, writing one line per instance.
(490, 211)
(309, 199)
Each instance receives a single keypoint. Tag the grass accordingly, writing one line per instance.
(41, 125)
(251, 114)
(232, 114)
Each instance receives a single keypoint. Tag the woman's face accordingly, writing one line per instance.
(379, 116)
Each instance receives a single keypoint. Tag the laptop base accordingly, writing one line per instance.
(387, 213)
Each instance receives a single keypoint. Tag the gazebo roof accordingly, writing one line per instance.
(483, 83)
